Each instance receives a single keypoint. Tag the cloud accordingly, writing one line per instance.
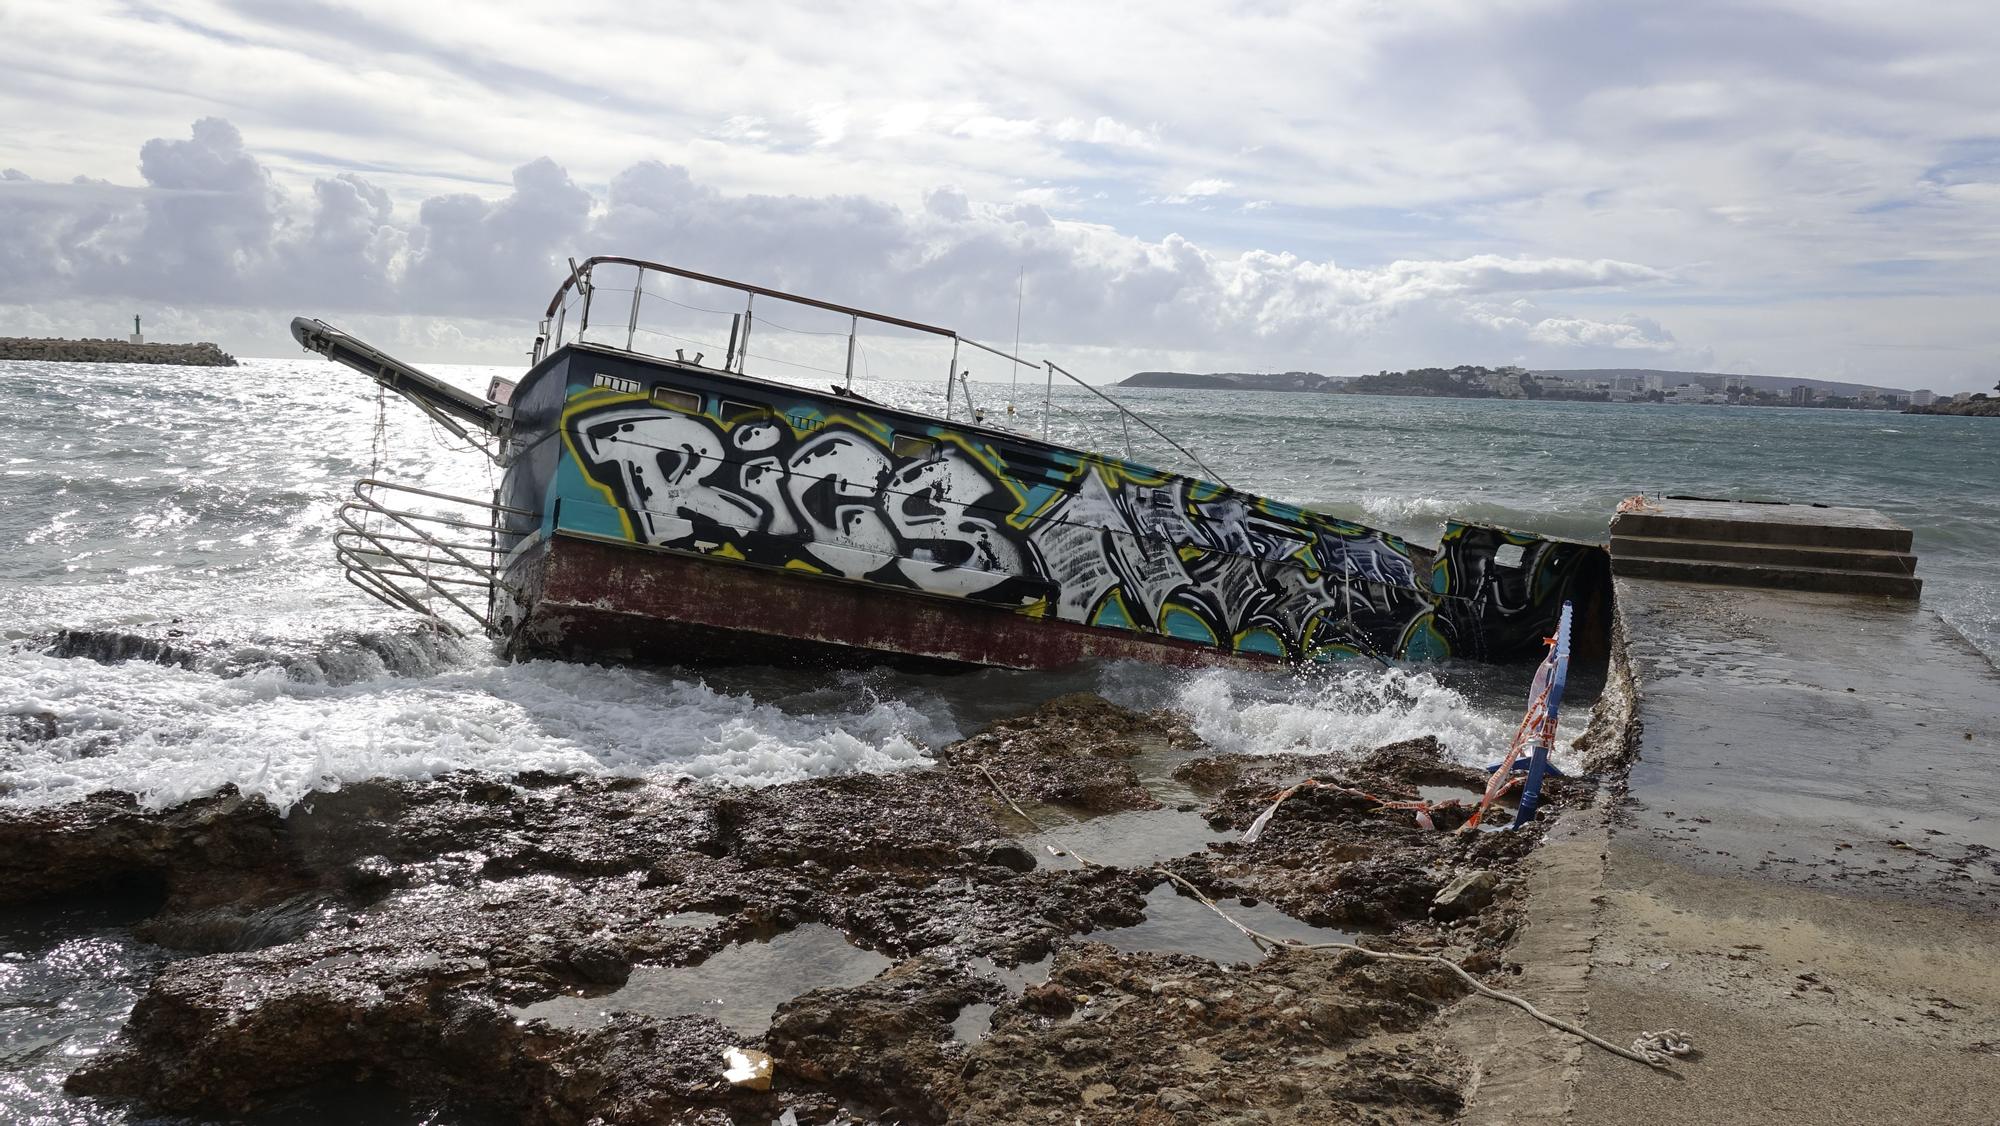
(1198, 190)
(209, 228)
(1105, 131)
(1766, 155)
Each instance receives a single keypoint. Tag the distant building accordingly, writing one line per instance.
(1802, 395)
(137, 336)
(1923, 397)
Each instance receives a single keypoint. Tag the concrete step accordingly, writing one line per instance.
(1740, 522)
(1766, 554)
(1758, 575)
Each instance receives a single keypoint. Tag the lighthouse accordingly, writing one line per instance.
(136, 337)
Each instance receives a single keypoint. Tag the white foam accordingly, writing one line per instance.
(167, 734)
(1349, 710)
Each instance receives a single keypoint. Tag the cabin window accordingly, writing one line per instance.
(622, 386)
(910, 446)
(678, 399)
(1509, 554)
(732, 410)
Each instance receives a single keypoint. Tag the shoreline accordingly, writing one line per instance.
(499, 939)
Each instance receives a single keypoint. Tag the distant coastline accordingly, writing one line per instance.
(90, 351)
(1612, 385)
(1232, 380)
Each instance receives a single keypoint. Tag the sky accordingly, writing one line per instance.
(1794, 187)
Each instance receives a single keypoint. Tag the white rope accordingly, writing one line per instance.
(1661, 1047)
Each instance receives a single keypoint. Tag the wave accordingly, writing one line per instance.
(343, 657)
(302, 723)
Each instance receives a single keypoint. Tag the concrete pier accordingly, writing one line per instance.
(1803, 875)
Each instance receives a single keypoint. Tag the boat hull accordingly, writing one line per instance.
(667, 512)
(606, 601)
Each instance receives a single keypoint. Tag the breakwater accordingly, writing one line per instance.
(1976, 407)
(89, 351)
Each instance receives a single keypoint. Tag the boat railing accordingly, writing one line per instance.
(432, 553)
(589, 308)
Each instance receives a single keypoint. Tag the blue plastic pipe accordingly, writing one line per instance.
(1538, 759)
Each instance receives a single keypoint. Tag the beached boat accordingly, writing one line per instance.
(663, 509)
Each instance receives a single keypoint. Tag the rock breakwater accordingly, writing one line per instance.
(411, 933)
(91, 351)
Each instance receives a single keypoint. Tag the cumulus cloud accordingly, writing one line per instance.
(208, 227)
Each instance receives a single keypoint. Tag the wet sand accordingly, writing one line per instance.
(1803, 872)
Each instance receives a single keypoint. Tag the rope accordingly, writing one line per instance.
(1423, 809)
(1637, 502)
(1654, 1049)
(378, 446)
(1661, 1046)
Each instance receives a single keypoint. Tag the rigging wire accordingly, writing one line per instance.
(1020, 293)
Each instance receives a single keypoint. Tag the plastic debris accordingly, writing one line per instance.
(748, 1068)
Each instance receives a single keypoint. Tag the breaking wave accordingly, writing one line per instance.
(1344, 712)
(166, 732)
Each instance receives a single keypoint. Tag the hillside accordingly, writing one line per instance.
(1232, 380)
(1715, 380)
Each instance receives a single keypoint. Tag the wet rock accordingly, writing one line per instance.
(889, 1041)
(225, 840)
(1071, 752)
(1465, 894)
(111, 647)
(405, 930)
(1418, 762)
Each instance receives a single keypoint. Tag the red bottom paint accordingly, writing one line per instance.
(621, 602)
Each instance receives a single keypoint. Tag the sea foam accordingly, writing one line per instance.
(167, 733)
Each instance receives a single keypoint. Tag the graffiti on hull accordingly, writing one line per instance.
(824, 488)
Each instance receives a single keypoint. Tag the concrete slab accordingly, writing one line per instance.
(1811, 731)
(1523, 1071)
(1805, 875)
(1871, 581)
(1748, 522)
(1767, 554)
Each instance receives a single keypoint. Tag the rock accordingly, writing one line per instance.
(1071, 751)
(407, 930)
(92, 351)
(1465, 895)
(1048, 999)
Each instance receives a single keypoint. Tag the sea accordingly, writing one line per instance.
(172, 619)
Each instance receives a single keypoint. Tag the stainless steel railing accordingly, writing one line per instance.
(570, 318)
(436, 561)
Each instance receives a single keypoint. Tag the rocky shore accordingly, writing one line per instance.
(904, 947)
(1980, 407)
(90, 351)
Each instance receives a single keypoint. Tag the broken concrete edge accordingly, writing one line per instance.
(1522, 1071)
